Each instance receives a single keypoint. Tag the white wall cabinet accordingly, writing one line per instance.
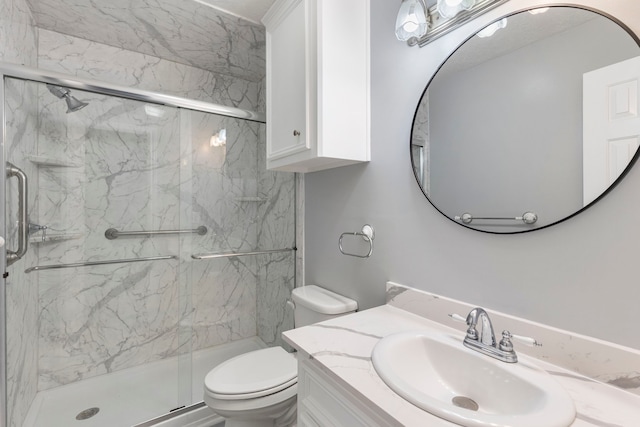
(317, 84)
(323, 402)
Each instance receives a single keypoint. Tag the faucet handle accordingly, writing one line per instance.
(505, 343)
(531, 342)
(458, 318)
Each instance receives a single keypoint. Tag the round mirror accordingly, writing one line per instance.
(530, 121)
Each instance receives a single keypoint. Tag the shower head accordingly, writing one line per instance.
(73, 104)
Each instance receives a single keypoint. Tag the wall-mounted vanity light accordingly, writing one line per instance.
(418, 23)
(412, 20)
(450, 8)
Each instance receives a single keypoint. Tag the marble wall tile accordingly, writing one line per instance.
(276, 280)
(223, 290)
(122, 172)
(21, 288)
(185, 32)
(224, 301)
(18, 33)
(106, 318)
(19, 45)
(277, 230)
(119, 166)
(88, 59)
(299, 229)
(130, 170)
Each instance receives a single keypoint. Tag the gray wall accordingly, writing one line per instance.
(579, 275)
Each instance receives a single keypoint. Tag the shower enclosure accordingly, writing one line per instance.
(145, 243)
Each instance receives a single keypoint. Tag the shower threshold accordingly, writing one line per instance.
(131, 396)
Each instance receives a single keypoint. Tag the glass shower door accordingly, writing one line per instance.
(150, 245)
(96, 307)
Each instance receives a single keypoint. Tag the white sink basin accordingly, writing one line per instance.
(435, 372)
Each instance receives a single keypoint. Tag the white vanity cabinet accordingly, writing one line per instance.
(317, 84)
(323, 402)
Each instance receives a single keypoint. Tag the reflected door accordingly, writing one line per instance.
(611, 124)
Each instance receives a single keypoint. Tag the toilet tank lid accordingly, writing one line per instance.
(322, 300)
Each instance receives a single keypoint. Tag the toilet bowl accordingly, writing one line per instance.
(254, 389)
(259, 388)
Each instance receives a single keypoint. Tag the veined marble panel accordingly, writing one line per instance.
(277, 223)
(224, 301)
(223, 179)
(101, 319)
(21, 289)
(131, 170)
(276, 280)
(299, 229)
(18, 33)
(122, 171)
(122, 167)
(223, 291)
(19, 45)
(89, 59)
(181, 31)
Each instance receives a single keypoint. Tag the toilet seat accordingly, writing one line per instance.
(251, 375)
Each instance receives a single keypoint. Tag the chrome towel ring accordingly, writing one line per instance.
(367, 233)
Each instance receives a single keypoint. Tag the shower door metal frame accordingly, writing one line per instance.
(8, 70)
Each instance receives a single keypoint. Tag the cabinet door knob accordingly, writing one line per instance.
(296, 133)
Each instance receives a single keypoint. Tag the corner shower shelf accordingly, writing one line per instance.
(51, 237)
(251, 199)
(50, 161)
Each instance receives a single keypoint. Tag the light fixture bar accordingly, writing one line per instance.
(441, 26)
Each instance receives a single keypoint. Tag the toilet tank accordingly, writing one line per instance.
(314, 304)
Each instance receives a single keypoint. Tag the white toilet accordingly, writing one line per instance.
(259, 388)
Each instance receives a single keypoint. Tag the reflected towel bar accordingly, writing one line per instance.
(112, 233)
(234, 254)
(527, 218)
(89, 263)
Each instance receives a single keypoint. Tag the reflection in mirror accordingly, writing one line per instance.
(540, 116)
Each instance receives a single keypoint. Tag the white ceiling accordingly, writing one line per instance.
(251, 10)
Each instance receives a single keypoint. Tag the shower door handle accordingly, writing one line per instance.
(23, 220)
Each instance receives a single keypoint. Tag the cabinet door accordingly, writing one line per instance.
(286, 81)
(322, 402)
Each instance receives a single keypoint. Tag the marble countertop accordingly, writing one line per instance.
(343, 346)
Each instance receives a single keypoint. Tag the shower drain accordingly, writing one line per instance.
(87, 413)
(465, 402)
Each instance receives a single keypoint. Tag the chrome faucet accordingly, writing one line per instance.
(486, 336)
(485, 341)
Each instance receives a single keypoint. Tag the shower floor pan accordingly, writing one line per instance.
(131, 396)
